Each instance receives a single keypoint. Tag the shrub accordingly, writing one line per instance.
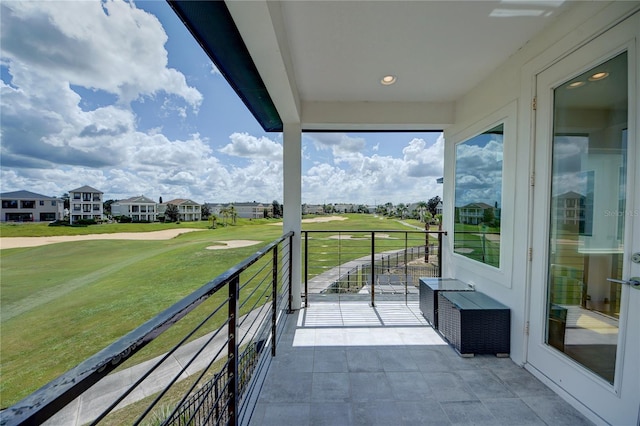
(59, 223)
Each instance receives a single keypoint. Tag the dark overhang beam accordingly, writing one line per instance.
(212, 26)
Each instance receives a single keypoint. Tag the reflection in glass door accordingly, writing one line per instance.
(587, 216)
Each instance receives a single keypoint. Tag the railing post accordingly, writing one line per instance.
(373, 269)
(426, 243)
(406, 267)
(274, 300)
(440, 254)
(232, 350)
(306, 272)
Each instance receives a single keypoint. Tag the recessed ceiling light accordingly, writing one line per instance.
(599, 76)
(388, 79)
(576, 84)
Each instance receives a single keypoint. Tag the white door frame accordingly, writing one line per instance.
(602, 402)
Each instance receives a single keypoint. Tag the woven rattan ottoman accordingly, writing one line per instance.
(474, 323)
(429, 289)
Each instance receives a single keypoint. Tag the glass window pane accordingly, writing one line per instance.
(478, 196)
(588, 194)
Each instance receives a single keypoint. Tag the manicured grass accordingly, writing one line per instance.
(44, 230)
(326, 251)
(62, 303)
(470, 241)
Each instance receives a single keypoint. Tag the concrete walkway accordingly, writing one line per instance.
(98, 398)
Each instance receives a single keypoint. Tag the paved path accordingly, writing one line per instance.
(94, 401)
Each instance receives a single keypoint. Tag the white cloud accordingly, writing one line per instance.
(422, 160)
(479, 172)
(342, 145)
(110, 46)
(248, 146)
(68, 121)
(377, 179)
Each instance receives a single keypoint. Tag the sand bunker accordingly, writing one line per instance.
(167, 234)
(351, 237)
(319, 219)
(233, 244)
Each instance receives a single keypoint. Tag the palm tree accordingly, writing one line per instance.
(422, 209)
(401, 210)
(225, 215)
(427, 217)
(233, 213)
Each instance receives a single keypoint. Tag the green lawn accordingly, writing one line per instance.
(61, 303)
(477, 243)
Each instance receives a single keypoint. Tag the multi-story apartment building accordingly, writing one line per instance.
(25, 206)
(188, 210)
(138, 208)
(251, 210)
(569, 208)
(85, 203)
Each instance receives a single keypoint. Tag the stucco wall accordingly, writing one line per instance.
(509, 93)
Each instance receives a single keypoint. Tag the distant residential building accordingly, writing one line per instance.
(344, 208)
(253, 210)
(439, 207)
(473, 213)
(214, 209)
(139, 208)
(85, 203)
(572, 208)
(312, 209)
(25, 206)
(188, 210)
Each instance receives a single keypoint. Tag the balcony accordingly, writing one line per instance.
(347, 363)
(358, 352)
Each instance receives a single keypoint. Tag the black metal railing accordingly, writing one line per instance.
(216, 383)
(369, 262)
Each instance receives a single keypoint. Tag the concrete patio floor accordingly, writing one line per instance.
(341, 362)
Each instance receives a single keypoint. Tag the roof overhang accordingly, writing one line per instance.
(320, 63)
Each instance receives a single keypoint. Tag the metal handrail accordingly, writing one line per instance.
(373, 255)
(52, 397)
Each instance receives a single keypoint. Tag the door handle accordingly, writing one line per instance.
(634, 282)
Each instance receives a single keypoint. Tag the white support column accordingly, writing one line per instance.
(292, 155)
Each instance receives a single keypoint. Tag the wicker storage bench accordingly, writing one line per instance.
(429, 289)
(474, 323)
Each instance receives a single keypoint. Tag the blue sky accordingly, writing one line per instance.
(120, 97)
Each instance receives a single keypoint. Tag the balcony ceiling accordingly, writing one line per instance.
(321, 62)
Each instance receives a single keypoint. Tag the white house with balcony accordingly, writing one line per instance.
(549, 90)
(26, 206)
(473, 213)
(188, 210)
(138, 208)
(85, 203)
